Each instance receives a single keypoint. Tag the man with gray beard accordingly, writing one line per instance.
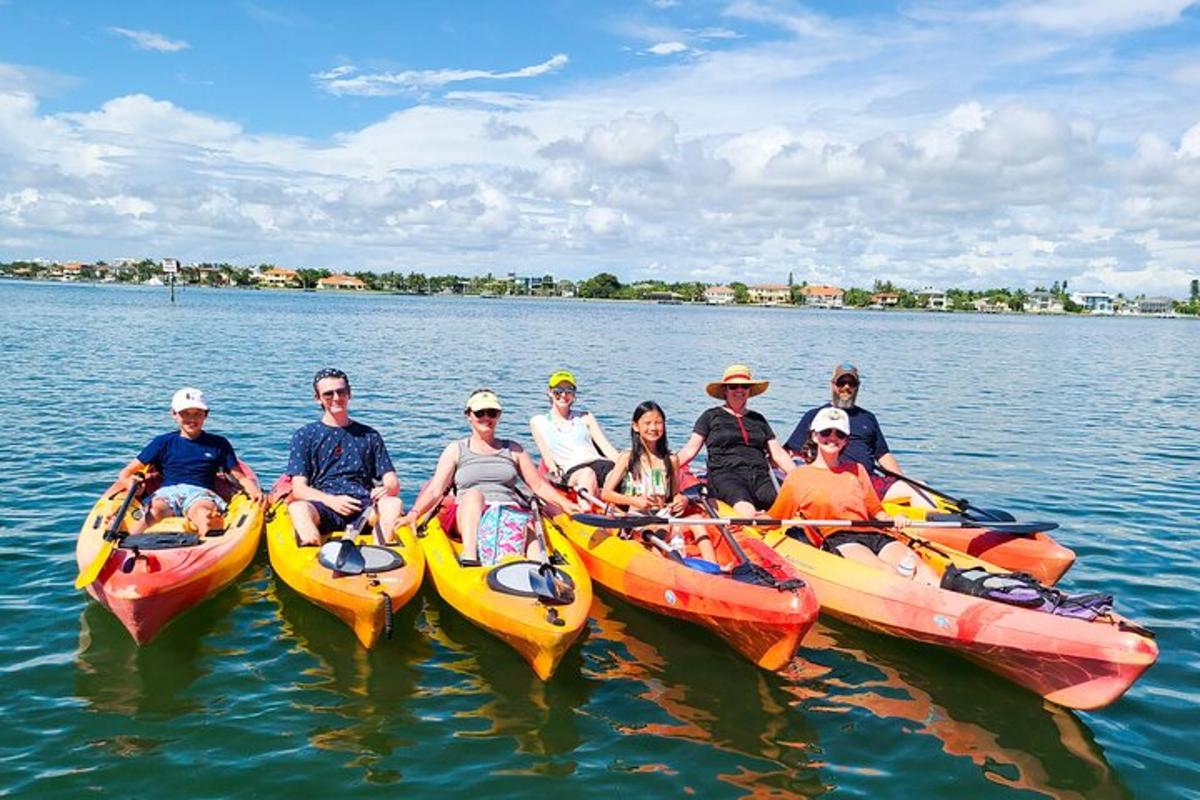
(866, 446)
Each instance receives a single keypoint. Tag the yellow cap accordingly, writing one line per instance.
(561, 376)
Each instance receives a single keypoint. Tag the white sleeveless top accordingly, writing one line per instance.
(569, 446)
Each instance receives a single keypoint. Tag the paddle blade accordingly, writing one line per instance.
(92, 571)
(549, 589)
(625, 523)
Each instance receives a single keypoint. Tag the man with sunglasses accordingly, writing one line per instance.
(867, 444)
(334, 463)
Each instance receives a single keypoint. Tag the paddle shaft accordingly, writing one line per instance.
(111, 539)
(601, 521)
(961, 502)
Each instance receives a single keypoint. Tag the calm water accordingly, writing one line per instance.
(1089, 422)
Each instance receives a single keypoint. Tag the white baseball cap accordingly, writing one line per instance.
(831, 417)
(188, 397)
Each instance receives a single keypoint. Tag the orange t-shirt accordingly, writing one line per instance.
(844, 492)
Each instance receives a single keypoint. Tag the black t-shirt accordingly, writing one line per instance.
(866, 443)
(732, 446)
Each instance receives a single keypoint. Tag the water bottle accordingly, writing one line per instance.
(908, 565)
(676, 544)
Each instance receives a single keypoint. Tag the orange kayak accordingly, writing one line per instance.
(1038, 555)
(1075, 663)
(762, 622)
(149, 580)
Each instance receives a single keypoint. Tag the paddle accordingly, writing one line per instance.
(112, 537)
(964, 505)
(601, 521)
(698, 564)
(542, 580)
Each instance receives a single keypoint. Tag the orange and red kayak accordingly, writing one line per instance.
(765, 623)
(149, 580)
(1075, 663)
(1038, 554)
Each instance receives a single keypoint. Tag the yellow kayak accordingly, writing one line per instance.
(366, 601)
(504, 599)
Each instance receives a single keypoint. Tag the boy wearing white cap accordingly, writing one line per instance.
(189, 460)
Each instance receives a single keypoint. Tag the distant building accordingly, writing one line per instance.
(770, 294)
(1155, 305)
(1095, 302)
(72, 271)
(342, 282)
(528, 284)
(820, 295)
(279, 278)
(1042, 303)
(933, 299)
(718, 295)
(885, 299)
(985, 305)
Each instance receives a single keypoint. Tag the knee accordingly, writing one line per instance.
(300, 510)
(390, 506)
(585, 477)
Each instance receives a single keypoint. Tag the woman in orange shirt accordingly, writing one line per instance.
(832, 488)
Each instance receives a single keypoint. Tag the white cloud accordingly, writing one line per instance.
(1091, 17)
(149, 40)
(346, 80)
(667, 48)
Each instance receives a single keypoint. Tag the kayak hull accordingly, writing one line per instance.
(366, 602)
(762, 623)
(162, 584)
(1038, 555)
(541, 633)
(1072, 662)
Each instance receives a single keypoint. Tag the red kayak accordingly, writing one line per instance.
(149, 579)
(763, 621)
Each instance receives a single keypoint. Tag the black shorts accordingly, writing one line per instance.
(330, 521)
(756, 488)
(601, 466)
(873, 541)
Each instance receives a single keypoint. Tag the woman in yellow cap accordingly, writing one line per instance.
(571, 444)
(492, 514)
(740, 444)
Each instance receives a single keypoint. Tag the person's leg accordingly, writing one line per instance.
(903, 492)
(466, 518)
(306, 522)
(205, 516)
(704, 543)
(533, 545)
(157, 508)
(852, 551)
(389, 510)
(892, 554)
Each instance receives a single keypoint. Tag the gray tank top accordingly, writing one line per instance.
(495, 475)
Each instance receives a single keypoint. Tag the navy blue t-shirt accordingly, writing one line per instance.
(866, 443)
(191, 461)
(339, 460)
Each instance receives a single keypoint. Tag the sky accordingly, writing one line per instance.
(1013, 143)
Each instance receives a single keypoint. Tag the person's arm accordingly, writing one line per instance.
(800, 434)
(249, 485)
(125, 476)
(889, 462)
(780, 456)
(390, 487)
(435, 489)
(599, 439)
(691, 449)
(609, 493)
(539, 485)
(543, 446)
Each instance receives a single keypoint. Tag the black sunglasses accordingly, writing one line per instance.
(831, 432)
(341, 391)
(490, 413)
(847, 382)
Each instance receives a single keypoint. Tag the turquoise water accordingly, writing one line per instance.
(1091, 422)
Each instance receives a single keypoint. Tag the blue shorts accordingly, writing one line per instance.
(180, 497)
(330, 521)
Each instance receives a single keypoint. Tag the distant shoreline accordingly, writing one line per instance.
(557, 298)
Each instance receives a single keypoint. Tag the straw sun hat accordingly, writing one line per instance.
(736, 374)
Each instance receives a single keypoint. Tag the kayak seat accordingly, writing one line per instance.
(513, 577)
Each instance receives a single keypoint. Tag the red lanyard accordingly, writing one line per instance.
(741, 427)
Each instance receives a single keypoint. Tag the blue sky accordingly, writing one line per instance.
(1009, 143)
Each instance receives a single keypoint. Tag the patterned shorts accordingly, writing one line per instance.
(502, 532)
(182, 496)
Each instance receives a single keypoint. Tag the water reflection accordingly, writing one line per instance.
(709, 695)
(540, 716)
(360, 700)
(114, 674)
(1016, 739)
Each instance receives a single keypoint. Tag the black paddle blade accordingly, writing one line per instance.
(1014, 528)
(545, 583)
(625, 523)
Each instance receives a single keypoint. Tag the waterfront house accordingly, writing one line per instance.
(932, 299)
(1042, 302)
(342, 282)
(986, 305)
(1095, 302)
(72, 271)
(718, 295)
(279, 278)
(770, 294)
(1155, 305)
(819, 295)
(885, 299)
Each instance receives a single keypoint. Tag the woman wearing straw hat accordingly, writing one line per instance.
(739, 443)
